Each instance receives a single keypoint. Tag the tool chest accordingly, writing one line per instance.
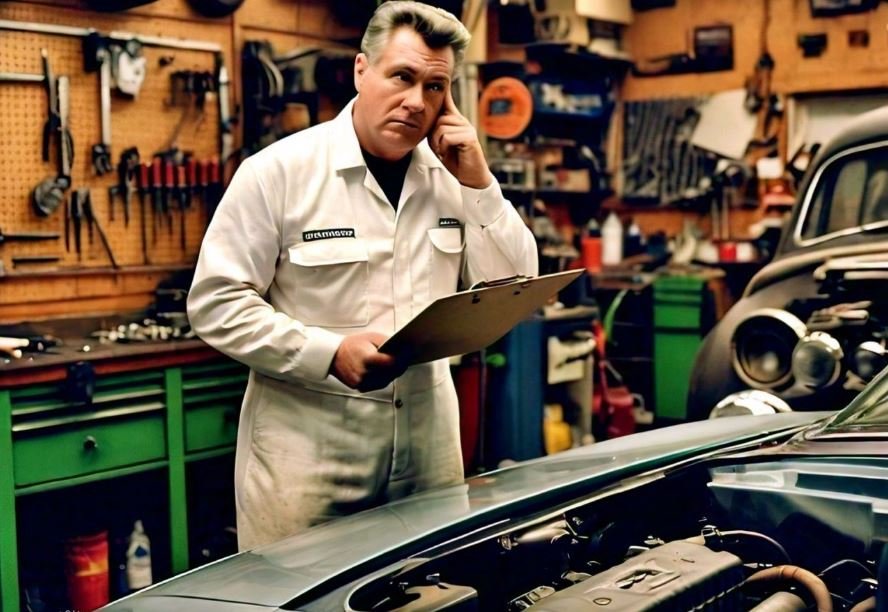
(68, 424)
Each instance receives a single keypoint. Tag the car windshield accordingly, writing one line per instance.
(850, 196)
(869, 409)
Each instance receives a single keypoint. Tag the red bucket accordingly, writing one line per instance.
(86, 566)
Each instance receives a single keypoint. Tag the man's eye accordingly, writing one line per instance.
(403, 76)
(438, 87)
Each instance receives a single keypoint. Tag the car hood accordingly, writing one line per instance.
(275, 574)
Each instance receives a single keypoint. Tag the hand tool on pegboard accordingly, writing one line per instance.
(85, 201)
(115, 36)
(213, 190)
(29, 260)
(144, 189)
(127, 168)
(50, 192)
(73, 222)
(169, 187)
(157, 194)
(27, 237)
(226, 122)
(97, 58)
(20, 77)
(182, 192)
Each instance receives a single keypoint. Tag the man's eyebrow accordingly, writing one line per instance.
(413, 70)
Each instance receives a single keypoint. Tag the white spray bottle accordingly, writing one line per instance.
(138, 558)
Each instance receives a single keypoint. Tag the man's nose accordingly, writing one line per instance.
(414, 101)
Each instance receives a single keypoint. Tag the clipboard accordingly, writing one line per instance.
(471, 320)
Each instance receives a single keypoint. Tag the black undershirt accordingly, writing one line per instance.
(389, 174)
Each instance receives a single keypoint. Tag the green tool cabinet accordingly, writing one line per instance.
(146, 414)
(679, 326)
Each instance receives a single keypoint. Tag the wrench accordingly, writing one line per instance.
(97, 58)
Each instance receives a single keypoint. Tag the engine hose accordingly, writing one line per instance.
(867, 605)
(781, 602)
(704, 540)
(810, 581)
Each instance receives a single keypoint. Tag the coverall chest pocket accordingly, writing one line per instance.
(446, 259)
(331, 277)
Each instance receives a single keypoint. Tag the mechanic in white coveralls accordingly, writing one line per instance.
(324, 244)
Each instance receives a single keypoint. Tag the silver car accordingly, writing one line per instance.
(781, 512)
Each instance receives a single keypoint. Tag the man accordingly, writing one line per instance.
(325, 243)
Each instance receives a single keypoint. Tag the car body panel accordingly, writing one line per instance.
(273, 575)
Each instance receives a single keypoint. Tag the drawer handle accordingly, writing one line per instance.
(90, 443)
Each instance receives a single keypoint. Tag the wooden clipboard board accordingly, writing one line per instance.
(471, 320)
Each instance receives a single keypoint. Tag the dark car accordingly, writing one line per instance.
(811, 326)
(787, 511)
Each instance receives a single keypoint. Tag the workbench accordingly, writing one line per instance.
(140, 407)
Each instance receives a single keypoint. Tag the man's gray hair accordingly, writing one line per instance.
(437, 27)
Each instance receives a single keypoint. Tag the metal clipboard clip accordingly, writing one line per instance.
(499, 282)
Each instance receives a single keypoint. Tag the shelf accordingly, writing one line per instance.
(551, 194)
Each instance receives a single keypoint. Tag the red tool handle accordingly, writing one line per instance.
(156, 172)
(215, 171)
(192, 172)
(144, 173)
(169, 176)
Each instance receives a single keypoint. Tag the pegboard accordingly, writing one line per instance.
(146, 122)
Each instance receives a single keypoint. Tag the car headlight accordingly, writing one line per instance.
(762, 347)
(817, 360)
(869, 359)
(751, 401)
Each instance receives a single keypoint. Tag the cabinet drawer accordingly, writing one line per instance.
(210, 426)
(212, 394)
(114, 439)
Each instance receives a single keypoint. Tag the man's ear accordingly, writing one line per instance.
(361, 65)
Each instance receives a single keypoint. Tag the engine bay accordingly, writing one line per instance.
(786, 535)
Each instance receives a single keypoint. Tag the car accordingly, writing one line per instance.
(782, 511)
(810, 328)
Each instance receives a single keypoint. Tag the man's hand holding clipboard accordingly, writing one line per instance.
(471, 320)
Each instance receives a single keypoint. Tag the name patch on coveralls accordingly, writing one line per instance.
(339, 232)
(448, 222)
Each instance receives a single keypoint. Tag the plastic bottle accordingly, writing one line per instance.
(138, 558)
(612, 239)
(591, 247)
(634, 242)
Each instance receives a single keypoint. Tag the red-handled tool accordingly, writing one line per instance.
(169, 186)
(143, 187)
(157, 192)
(182, 192)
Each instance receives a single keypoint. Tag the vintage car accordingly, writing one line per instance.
(810, 329)
(785, 511)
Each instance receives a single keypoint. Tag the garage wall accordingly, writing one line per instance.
(841, 67)
(86, 284)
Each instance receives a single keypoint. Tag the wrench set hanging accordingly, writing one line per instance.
(166, 182)
(660, 165)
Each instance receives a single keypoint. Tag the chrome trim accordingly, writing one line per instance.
(792, 322)
(830, 348)
(815, 184)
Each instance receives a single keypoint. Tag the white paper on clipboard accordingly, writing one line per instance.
(471, 320)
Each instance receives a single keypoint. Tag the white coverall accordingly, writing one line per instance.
(305, 249)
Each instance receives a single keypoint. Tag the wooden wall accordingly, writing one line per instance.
(841, 67)
(775, 22)
(87, 284)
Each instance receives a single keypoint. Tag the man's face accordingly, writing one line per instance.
(401, 94)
